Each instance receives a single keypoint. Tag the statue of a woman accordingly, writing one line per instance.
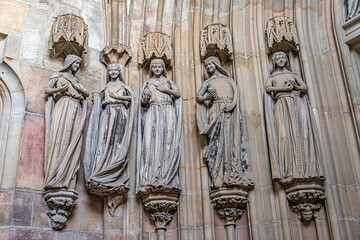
(108, 138)
(65, 120)
(159, 136)
(293, 147)
(218, 117)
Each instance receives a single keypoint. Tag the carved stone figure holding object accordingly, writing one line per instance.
(65, 120)
(219, 118)
(292, 138)
(159, 133)
(108, 139)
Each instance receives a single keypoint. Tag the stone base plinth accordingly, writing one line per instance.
(306, 199)
(61, 202)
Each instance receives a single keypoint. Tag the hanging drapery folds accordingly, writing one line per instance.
(110, 130)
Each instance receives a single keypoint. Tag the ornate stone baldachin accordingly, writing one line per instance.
(155, 45)
(216, 41)
(69, 35)
(115, 53)
(281, 35)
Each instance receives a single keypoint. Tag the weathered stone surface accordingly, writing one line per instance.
(12, 16)
(31, 170)
(6, 205)
(22, 208)
(20, 234)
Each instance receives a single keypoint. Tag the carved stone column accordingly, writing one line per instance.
(230, 182)
(61, 204)
(69, 35)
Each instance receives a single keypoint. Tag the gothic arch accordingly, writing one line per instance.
(12, 111)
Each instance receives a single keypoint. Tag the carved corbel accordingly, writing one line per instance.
(69, 35)
(230, 203)
(155, 45)
(281, 35)
(216, 41)
(61, 203)
(306, 199)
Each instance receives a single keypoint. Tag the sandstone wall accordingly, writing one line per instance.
(326, 63)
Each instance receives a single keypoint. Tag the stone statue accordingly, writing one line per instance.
(65, 119)
(65, 116)
(218, 117)
(159, 133)
(108, 139)
(293, 147)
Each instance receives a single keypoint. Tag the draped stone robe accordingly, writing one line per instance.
(225, 153)
(159, 138)
(108, 141)
(65, 120)
(292, 137)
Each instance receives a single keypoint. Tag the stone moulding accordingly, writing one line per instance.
(61, 203)
(69, 35)
(155, 45)
(281, 35)
(306, 199)
(160, 206)
(115, 53)
(216, 41)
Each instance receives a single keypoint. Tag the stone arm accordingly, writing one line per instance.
(119, 97)
(232, 105)
(173, 90)
(202, 95)
(301, 85)
(146, 95)
(269, 88)
(81, 89)
(64, 86)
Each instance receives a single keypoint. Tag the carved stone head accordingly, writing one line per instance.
(114, 72)
(212, 64)
(307, 214)
(280, 60)
(73, 62)
(157, 68)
